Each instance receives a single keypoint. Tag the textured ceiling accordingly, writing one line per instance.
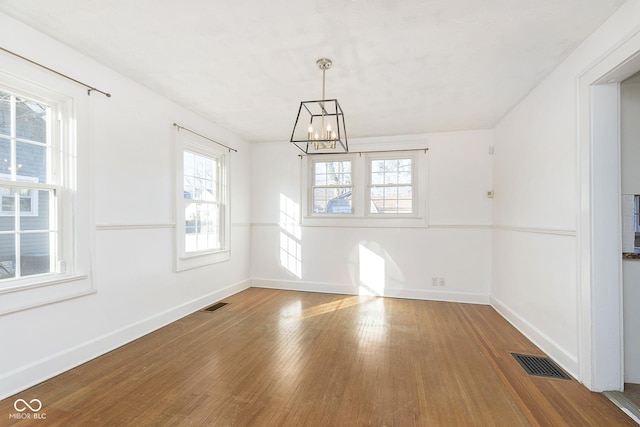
(399, 66)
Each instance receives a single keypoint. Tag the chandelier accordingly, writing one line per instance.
(319, 126)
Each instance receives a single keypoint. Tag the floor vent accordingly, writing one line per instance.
(215, 306)
(540, 366)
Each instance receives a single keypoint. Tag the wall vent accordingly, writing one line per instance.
(540, 366)
(215, 306)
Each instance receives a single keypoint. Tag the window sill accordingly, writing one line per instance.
(364, 221)
(188, 262)
(32, 293)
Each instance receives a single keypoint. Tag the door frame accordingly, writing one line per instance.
(600, 321)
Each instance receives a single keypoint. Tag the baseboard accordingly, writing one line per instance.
(566, 360)
(330, 288)
(34, 373)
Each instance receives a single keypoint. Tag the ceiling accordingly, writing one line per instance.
(400, 67)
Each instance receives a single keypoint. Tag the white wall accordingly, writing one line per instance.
(537, 203)
(455, 245)
(130, 139)
(630, 168)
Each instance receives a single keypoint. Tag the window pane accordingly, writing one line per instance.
(208, 238)
(200, 177)
(391, 172)
(31, 160)
(191, 216)
(405, 200)
(34, 253)
(31, 120)
(332, 173)
(38, 217)
(404, 171)
(7, 208)
(200, 166)
(392, 200)
(404, 165)
(332, 200)
(7, 256)
(189, 188)
(198, 186)
(202, 226)
(404, 178)
(321, 179)
(377, 178)
(211, 170)
(377, 166)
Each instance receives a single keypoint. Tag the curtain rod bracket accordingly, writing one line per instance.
(108, 95)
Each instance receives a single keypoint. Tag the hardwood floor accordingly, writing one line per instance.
(282, 358)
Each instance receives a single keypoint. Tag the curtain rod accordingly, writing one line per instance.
(202, 136)
(364, 152)
(89, 88)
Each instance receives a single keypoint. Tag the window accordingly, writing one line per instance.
(202, 203)
(391, 185)
(386, 188)
(28, 188)
(46, 223)
(332, 187)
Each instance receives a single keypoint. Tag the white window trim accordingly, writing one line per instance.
(360, 180)
(415, 182)
(72, 275)
(186, 141)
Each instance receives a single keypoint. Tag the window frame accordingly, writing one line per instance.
(60, 115)
(188, 142)
(314, 186)
(361, 181)
(70, 179)
(370, 158)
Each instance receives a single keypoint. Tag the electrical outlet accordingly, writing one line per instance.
(441, 281)
(434, 281)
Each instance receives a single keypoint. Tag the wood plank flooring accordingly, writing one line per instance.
(283, 358)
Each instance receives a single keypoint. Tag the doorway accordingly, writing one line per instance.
(604, 360)
(630, 189)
